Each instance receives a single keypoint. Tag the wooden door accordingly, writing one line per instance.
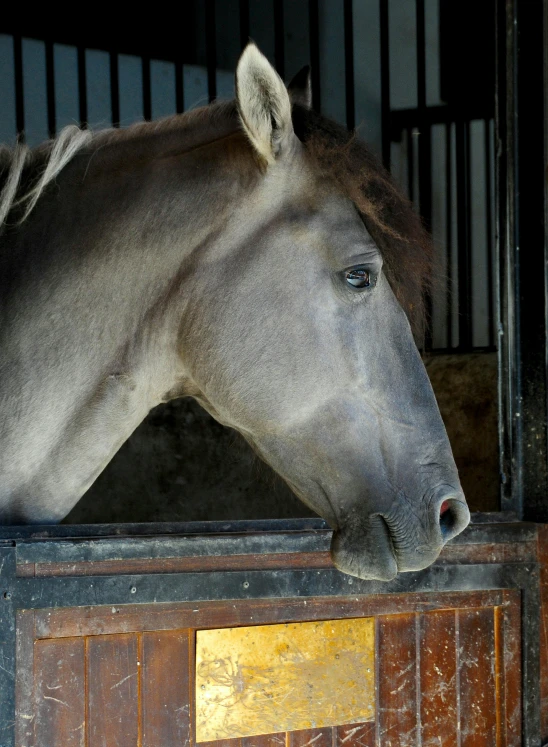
(459, 649)
(125, 676)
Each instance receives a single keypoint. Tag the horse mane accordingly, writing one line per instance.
(13, 163)
(339, 155)
(25, 173)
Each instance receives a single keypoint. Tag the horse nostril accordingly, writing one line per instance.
(447, 519)
(453, 517)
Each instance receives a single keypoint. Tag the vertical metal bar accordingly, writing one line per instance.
(279, 45)
(244, 22)
(50, 88)
(114, 89)
(462, 135)
(314, 25)
(385, 82)
(147, 93)
(489, 231)
(19, 92)
(349, 64)
(410, 164)
(424, 144)
(179, 86)
(449, 231)
(82, 87)
(522, 254)
(421, 55)
(211, 49)
(509, 427)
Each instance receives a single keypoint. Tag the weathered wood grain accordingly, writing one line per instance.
(310, 738)
(74, 621)
(179, 565)
(512, 653)
(25, 570)
(59, 692)
(264, 740)
(500, 683)
(476, 672)
(355, 735)
(397, 681)
(24, 685)
(504, 552)
(542, 549)
(167, 678)
(439, 714)
(113, 688)
(438, 656)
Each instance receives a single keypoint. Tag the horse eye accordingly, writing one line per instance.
(358, 278)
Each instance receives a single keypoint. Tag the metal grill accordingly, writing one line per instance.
(383, 67)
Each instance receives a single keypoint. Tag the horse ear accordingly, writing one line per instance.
(263, 102)
(300, 88)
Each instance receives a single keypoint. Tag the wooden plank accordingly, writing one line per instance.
(167, 679)
(59, 692)
(220, 743)
(542, 539)
(113, 688)
(503, 552)
(76, 621)
(397, 681)
(438, 678)
(264, 740)
(476, 673)
(512, 653)
(500, 680)
(355, 735)
(516, 552)
(25, 570)
(24, 683)
(310, 738)
(205, 563)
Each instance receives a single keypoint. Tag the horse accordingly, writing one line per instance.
(250, 254)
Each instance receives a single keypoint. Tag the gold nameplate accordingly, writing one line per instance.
(272, 678)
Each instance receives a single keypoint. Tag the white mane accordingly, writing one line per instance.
(69, 141)
(179, 131)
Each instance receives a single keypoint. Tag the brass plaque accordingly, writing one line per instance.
(272, 678)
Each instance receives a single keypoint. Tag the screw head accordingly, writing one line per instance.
(133, 589)
(246, 584)
(7, 595)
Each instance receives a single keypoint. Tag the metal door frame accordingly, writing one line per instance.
(521, 147)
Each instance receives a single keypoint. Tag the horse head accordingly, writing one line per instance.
(304, 347)
(253, 256)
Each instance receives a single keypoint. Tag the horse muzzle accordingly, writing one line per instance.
(366, 554)
(377, 547)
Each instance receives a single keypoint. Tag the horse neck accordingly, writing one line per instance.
(105, 255)
(95, 292)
